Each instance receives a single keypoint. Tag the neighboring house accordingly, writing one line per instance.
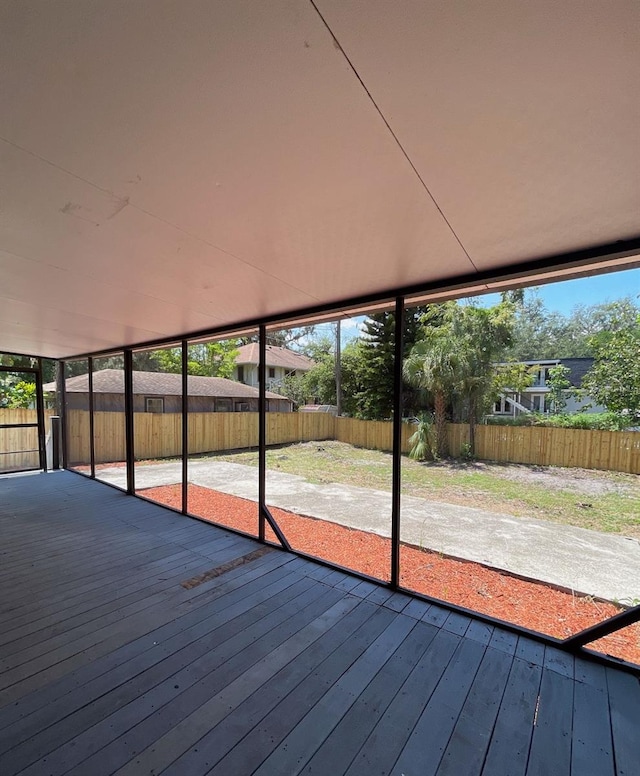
(280, 363)
(536, 397)
(162, 392)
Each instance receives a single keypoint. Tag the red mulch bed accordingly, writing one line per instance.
(531, 604)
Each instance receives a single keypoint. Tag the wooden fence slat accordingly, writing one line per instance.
(159, 436)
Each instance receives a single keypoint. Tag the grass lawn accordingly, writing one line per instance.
(603, 501)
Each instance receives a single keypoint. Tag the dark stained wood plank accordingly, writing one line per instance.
(508, 751)
(175, 652)
(112, 594)
(115, 607)
(39, 672)
(305, 738)
(436, 615)
(467, 747)
(397, 601)
(186, 720)
(504, 640)
(73, 739)
(479, 631)
(457, 623)
(346, 739)
(224, 608)
(592, 747)
(558, 660)
(530, 650)
(624, 703)
(416, 608)
(591, 673)
(363, 589)
(426, 744)
(551, 743)
(291, 692)
(380, 595)
(382, 747)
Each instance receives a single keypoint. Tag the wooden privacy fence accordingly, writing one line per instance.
(16, 439)
(159, 436)
(606, 450)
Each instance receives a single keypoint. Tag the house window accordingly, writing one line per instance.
(241, 374)
(541, 376)
(224, 405)
(538, 403)
(154, 404)
(501, 407)
(272, 371)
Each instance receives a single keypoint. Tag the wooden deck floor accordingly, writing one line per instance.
(276, 665)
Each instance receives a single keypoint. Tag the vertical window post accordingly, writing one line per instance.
(262, 433)
(397, 441)
(62, 411)
(128, 420)
(92, 444)
(185, 427)
(42, 444)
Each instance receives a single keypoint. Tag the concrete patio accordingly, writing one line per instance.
(603, 565)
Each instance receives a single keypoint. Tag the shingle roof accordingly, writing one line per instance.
(161, 384)
(578, 368)
(250, 354)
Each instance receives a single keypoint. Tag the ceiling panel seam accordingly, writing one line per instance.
(393, 135)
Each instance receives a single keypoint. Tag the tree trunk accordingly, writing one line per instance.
(440, 412)
(472, 425)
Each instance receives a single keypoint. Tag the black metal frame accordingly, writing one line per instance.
(519, 275)
(92, 444)
(129, 432)
(396, 475)
(36, 371)
(185, 426)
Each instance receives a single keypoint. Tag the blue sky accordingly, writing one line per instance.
(559, 297)
(564, 296)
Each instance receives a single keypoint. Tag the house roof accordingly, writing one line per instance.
(276, 356)
(172, 168)
(578, 368)
(161, 384)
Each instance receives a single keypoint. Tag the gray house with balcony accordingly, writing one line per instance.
(536, 398)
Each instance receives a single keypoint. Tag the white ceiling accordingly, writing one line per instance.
(168, 166)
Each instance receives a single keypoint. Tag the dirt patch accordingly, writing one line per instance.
(585, 481)
(527, 603)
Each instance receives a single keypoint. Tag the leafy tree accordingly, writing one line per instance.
(511, 377)
(614, 379)
(481, 334)
(293, 339)
(539, 333)
(209, 359)
(18, 395)
(457, 356)
(434, 365)
(375, 391)
(559, 384)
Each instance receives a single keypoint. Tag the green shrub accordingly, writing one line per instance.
(598, 421)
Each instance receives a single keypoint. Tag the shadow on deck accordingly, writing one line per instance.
(136, 641)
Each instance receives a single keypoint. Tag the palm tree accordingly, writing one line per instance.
(434, 365)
